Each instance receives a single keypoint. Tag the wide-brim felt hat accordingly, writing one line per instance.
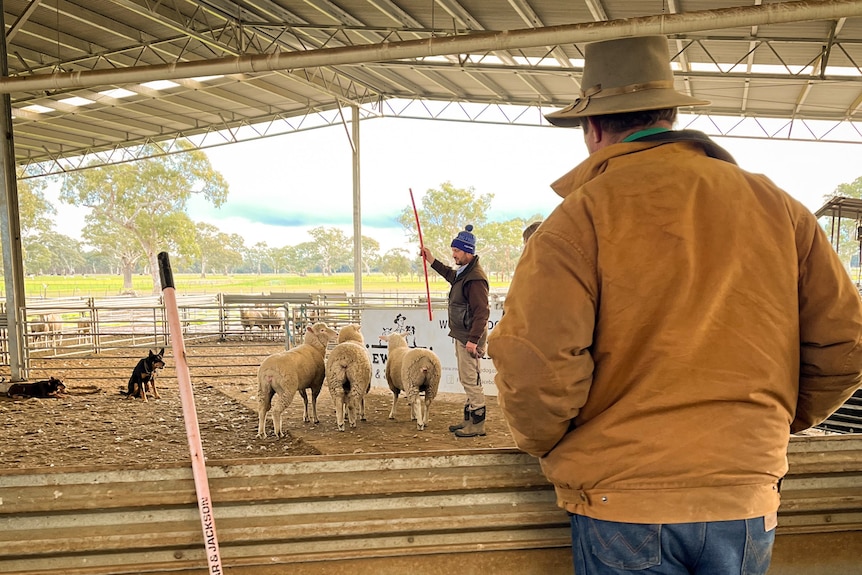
(624, 75)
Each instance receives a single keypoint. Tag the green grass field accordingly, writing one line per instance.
(109, 285)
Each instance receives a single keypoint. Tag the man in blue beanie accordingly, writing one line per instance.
(468, 324)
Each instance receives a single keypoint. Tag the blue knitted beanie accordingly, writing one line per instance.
(465, 241)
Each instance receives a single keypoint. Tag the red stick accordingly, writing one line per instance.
(422, 248)
(190, 416)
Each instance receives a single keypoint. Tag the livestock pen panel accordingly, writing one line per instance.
(107, 331)
(391, 514)
(111, 334)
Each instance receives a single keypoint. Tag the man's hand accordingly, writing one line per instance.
(426, 253)
(471, 349)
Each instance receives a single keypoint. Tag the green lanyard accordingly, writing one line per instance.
(642, 133)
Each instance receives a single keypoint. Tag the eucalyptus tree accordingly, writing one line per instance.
(230, 259)
(443, 213)
(501, 246)
(35, 212)
(223, 252)
(98, 263)
(304, 257)
(216, 250)
(51, 252)
(207, 244)
(110, 243)
(146, 201)
(396, 262)
(281, 258)
(255, 257)
(35, 217)
(332, 247)
(272, 257)
(370, 253)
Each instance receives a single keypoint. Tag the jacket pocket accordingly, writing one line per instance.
(462, 313)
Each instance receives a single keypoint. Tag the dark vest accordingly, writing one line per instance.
(460, 318)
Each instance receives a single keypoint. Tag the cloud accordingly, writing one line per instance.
(281, 187)
(287, 217)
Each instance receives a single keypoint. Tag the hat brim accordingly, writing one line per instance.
(642, 101)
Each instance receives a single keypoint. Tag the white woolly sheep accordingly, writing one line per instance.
(84, 328)
(348, 375)
(270, 320)
(48, 326)
(415, 371)
(287, 372)
(273, 321)
(249, 318)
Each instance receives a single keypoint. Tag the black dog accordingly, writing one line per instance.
(144, 375)
(50, 388)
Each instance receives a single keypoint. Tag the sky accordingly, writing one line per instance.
(280, 187)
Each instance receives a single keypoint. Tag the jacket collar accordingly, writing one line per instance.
(598, 162)
(463, 272)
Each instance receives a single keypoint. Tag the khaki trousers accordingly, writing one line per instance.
(468, 373)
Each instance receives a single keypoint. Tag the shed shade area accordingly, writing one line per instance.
(848, 418)
(88, 80)
(840, 209)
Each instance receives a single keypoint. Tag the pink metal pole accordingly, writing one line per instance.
(422, 247)
(187, 399)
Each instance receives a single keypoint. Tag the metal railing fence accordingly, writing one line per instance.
(102, 330)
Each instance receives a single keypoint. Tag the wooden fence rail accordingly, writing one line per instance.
(475, 511)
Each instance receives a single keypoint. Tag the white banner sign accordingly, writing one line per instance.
(413, 324)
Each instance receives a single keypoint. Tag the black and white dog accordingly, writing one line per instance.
(144, 375)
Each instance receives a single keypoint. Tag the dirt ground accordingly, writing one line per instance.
(93, 424)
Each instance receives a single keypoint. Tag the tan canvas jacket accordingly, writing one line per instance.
(667, 327)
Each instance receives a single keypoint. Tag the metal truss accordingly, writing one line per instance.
(213, 137)
(801, 130)
(207, 33)
(794, 129)
(206, 29)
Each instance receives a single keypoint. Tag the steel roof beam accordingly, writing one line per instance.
(673, 8)
(523, 115)
(529, 16)
(142, 147)
(22, 19)
(597, 9)
(174, 25)
(479, 42)
(501, 69)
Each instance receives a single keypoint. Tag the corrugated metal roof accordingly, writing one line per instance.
(801, 70)
(842, 208)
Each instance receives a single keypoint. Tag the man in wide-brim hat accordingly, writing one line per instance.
(668, 326)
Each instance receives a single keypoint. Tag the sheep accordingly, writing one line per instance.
(38, 329)
(269, 320)
(287, 372)
(348, 375)
(278, 407)
(49, 326)
(414, 371)
(84, 328)
(272, 320)
(249, 318)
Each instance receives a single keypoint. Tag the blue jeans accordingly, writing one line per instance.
(741, 547)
